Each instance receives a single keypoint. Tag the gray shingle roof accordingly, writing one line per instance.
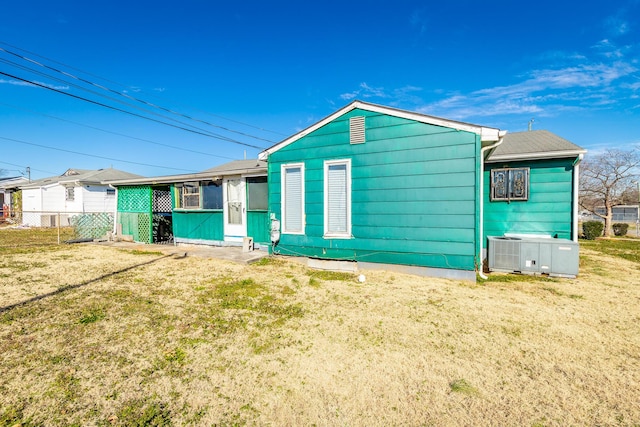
(235, 167)
(82, 176)
(533, 145)
(239, 166)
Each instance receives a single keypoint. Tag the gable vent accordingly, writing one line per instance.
(356, 130)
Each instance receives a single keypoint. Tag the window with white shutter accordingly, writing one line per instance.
(337, 199)
(293, 198)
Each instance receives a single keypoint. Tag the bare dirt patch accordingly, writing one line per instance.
(98, 335)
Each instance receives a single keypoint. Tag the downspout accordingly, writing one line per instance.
(576, 190)
(501, 135)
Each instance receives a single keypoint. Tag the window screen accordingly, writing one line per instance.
(212, 195)
(258, 192)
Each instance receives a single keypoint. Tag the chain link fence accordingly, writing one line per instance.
(56, 227)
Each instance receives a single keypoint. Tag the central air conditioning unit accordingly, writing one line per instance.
(533, 255)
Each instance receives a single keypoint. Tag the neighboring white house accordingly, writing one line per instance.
(76, 191)
(7, 187)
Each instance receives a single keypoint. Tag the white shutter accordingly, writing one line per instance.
(337, 198)
(292, 199)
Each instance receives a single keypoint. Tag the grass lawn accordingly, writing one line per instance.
(94, 335)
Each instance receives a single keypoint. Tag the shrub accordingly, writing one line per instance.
(620, 228)
(592, 229)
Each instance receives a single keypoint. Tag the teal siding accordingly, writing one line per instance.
(209, 224)
(413, 193)
(549, 209)
(259, 226)
(134, 212)
(202, 225)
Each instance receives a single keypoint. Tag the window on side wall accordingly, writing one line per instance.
(292, 190)
(510, 184)
(337, 198)
(188, 195)
(70, 194)
(212, 195)
(257, 193)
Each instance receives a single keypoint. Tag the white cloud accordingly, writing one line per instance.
(372, 92)
(405, 94)
(566, 81)
(37, 84)
(616, 25)
(350, 95)
(543, 92)
(418, 22)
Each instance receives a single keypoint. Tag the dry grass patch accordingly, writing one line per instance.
(112, 337)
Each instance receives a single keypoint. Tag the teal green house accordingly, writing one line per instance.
(531, 186)
(390, 188)
(219, 206)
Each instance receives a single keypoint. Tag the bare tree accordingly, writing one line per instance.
(605, 180)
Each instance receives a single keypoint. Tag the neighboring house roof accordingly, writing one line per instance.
(77, 177)
(235, 167)
(535, 144)
(12, 182)
(487, 134)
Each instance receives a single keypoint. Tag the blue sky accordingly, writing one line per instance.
(257, 72)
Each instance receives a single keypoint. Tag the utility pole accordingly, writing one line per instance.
(29, 173)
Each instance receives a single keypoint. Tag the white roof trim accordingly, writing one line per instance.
(486, 134)
(200, 176)
(538, 155)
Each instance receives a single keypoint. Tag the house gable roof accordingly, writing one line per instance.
(531, 145)
(235, 167)
(12, 182)
(487, 134)
(81, 177)
(238, 167)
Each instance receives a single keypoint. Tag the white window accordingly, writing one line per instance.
(188, 195)
(337, 198)
(70, 193)
(292, 198)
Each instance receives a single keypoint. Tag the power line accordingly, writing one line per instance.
(25, 167)
(117, 133)
(131, 97)
(93, 155)
(210, 135)
(40, 73)
(134, 98)
(127, 87)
